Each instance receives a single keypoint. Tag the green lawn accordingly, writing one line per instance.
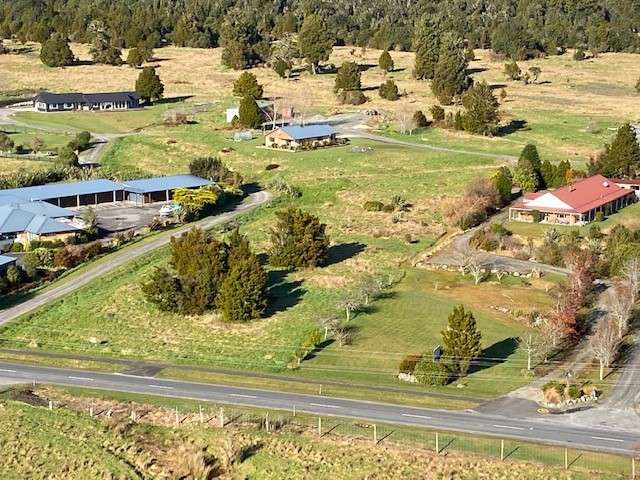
(558, 136)
(98, 122)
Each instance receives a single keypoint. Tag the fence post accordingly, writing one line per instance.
(375, 434)
(319, 426)
(221, 417)
(294, 409)
(201, 415)
(633, 468)
(91, 409)
(501, 450)
(266, 421)
(50, 405)
(437, 444)
(320, 390)
(566, 458)
(177, 418)
(133, 414)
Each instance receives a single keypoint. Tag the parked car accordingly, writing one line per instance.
(170, 209)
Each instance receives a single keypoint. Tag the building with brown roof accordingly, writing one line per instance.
(575, 204)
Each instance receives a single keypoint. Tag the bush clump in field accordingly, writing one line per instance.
(55, 52)
(214, 170)
(389, 90)
(428, 372)
(298, 240)
(207, 274)
(373, 206)
(280, 185)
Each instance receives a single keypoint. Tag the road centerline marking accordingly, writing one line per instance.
(80, 378)
(410, 415)
(509, 426)
(165, 387)
(609, 439)
(240, 395)
(324, 405)
(7, 370)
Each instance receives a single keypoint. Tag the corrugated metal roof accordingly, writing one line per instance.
(44, 208)
(70, 189)
(14, 219)
(157, 184)
(298, 132)
(48, 97)
(7, 260)
(8, 199)
(41, 225)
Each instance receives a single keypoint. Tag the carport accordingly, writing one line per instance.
(72, 194)
(160, 189)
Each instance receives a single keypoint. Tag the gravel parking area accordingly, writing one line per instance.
(125, 216)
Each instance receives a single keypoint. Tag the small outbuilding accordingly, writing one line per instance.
(297, 137)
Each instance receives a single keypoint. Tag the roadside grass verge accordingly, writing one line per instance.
(548, 460)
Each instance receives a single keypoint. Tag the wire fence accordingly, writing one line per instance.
(438, 441)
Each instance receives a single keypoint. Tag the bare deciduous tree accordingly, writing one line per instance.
(533, 346)
(351, 302)
(343, 336)
(619, 303)
(631, 275)
(330, 323)
(604, 344)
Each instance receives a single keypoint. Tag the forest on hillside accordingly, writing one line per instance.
(517, 28)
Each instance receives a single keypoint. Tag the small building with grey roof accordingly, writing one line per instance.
(297, 137)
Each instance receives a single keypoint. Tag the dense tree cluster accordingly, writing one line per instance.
(621, 158)
(207, 274)
(298, 240)
(215, 170)
(247, 28)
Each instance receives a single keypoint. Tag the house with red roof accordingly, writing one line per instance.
(575, 204)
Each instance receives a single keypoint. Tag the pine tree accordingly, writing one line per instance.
(622, 157)
(298, 240)
(420, 120)
(530, 154)
(6, 143)
(462, 341)
(389, 90)
(246, 85)
(103, 49)
(135, 57)
(315, 41)
(249, 114)
(148, 85)
(426, 44)
(450, 74)
(512, 71)
(163, 289)
(243, 293)
(348, 77)
(67, 157)
(55, 52)
(482, 110)
(503, 182)
(385, 62)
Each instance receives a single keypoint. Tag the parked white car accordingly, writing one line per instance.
(170, 209)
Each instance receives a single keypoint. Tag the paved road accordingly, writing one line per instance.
(119, 258)
(626, 393)
(613, 441)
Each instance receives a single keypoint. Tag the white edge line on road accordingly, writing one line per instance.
(325, 406)
(160, 386)
(240, 395)
(608, 439)
(416, 416)
(509, 426)
(7, 371)
(133, 376)
(81, 378)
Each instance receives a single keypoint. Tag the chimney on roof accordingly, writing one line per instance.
(572, 188)
(605, 184)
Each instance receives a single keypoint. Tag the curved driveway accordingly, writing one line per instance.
(117, 259)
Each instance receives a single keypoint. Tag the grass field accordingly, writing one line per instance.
(67, 440)
(600, 91)
(97, 122)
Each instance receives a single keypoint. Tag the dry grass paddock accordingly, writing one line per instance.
(603, 86)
